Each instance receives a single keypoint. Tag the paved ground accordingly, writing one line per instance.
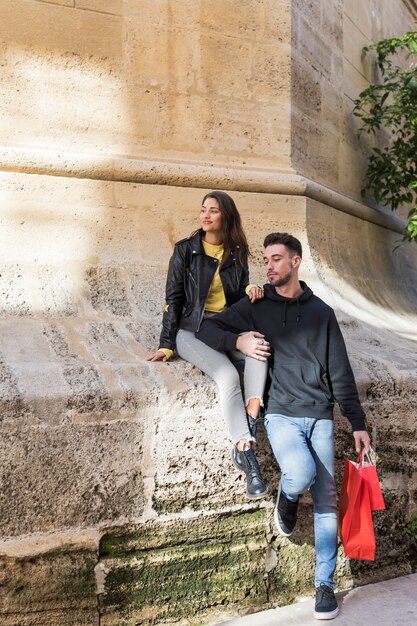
(390, 603)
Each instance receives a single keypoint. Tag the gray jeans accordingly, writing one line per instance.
(224, 369)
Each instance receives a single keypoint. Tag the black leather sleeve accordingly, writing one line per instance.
(244, 279)
(174, 298)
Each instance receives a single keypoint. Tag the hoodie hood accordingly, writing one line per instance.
(271, 294)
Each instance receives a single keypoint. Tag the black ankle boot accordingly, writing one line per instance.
(253, 423)
(246, 461)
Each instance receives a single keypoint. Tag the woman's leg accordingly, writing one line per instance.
(219, 367)
(254, 383)
(255, 373)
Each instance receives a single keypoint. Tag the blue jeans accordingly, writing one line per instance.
(304, 450)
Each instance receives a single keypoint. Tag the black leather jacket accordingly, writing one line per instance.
(190, 274)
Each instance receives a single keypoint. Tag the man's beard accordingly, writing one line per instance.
(280, 282)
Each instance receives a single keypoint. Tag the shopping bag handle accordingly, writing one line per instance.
(363, 454)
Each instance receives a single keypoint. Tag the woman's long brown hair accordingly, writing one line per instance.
(233, 234)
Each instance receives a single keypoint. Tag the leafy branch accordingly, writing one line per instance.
(388, 110)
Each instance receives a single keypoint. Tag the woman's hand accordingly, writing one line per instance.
(253, 344)
(157, 356)
(256, 293)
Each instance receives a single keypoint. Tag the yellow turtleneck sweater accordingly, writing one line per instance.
(216, 300)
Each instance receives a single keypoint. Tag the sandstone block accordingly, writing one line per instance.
(354, 82)
(277, 20)
(306, 89)
(114, 7)
(161, 57)
(14, 296)
(66, 3)
(225, 66)
(233, 17)
(171, 574)
(57, 29)
(69, 578)
(353, 42)
(332, 22)
(314, 48)
(271, 65)
(76, 474)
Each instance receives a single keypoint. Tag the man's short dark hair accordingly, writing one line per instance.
(286, 240)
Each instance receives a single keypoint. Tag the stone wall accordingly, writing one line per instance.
(328, 73)
(119, 503)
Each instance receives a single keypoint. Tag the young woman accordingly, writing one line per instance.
(208, 272)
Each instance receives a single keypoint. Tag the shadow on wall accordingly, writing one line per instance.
(373, 291)
(362, 274)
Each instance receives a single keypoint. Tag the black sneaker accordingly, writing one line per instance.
(285, 514)
(326, 603)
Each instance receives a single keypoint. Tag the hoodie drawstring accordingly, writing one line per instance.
(284, 321)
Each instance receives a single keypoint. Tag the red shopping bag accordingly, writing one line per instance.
(367, 470)
(356, 528)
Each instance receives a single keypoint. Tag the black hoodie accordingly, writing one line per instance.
(309, 365)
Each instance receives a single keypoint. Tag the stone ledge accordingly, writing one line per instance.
(182, 173)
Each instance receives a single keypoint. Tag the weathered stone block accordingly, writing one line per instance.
(64, 3)
(314, 48)
(114, 7)
(353, 42)
(277, 20)
(306, 89)
(73, 475)
(67, 576)
(59, 29)
(108, 291)
(56, 290)
(160, 56)
(272, 69)
(12, 401)
(332, 22)
(219, 54)
(161, 572)
(14, 296)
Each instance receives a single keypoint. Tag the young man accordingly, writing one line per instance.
(309, 370)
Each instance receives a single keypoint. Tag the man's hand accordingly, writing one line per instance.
(253, 344)
(256, 293)
(362, 437)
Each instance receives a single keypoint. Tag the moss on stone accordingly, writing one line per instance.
(187, 568)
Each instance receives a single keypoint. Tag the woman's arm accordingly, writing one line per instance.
(174, 300)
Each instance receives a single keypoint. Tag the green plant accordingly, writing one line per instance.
(410, 530)
(391, 105)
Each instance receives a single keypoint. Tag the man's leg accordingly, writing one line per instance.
(321, 442)
(287, 436)
(323, 491)
(304, 449)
